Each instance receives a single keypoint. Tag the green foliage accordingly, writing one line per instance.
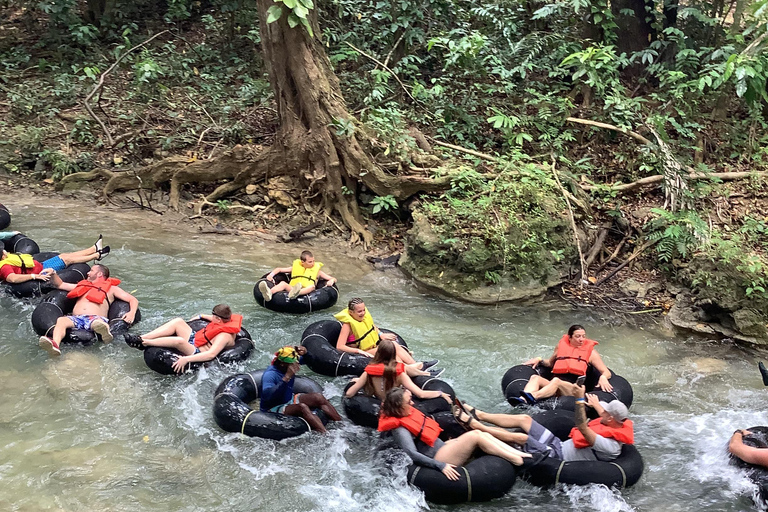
(343, 127)
(298, 10)
(677, 235)
(508, 227)
(384, 203)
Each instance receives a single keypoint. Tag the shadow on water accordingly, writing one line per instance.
(97, 430)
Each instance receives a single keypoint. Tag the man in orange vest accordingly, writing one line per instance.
(299, 284)
(600, 439)
(94, 296)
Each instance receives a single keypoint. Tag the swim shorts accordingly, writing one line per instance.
(280, 409)
(56, 263)
(85, 321)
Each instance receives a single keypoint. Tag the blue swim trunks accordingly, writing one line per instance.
(192, 342)
(85, 321)
(56, 263)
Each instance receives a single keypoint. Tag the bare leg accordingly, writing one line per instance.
(281, 287)
(555, 387)
(403, 354)
(60, 329)
(80, 256)
(499, 433)
(176, 327)
(302, 410)
(522, 421)
(535, 383)
(308, 289)
(458, 451)
(318, 401)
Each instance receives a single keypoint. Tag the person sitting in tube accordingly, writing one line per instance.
(196, 346)
(360, 336)
(304, 273)
(94, 296)
(599, 439)
(418, 435)
(277, 390)
(569, 361)
(20, 268)
(384, 373)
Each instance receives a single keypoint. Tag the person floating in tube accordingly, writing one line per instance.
(20, 268)
(600, 439)
(418, 435)
(360, 336)
(277, 390)
(196, 346)
(94, 296)
(304, 273)
(569, 361)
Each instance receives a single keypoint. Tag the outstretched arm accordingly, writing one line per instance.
(330, 279)
(605, 374)
(357, 386)
(218, 344)
(405, 381)
(133, 303)
(404, 440)
(580, 415)
(4, 235)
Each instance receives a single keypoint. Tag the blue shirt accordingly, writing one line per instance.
(274, 391)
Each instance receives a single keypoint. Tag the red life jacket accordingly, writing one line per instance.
(421, 426)
(570, 359)
(377, 370)
(213, 329)
(95, 291)
(624, 434)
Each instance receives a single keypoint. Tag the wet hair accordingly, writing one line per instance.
(393, 403)
(354, 302)
(575, 327)
(386, 354)
(305, 255)
(103, 269)
(222, 311)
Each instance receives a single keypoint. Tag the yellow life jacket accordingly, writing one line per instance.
(365, 335)
(303, 275)
(24, 261)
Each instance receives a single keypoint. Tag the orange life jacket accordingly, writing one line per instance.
(570, 359)
(624, 434)
(420, 425)
(213, 329)
(377, 370)
(95, 291)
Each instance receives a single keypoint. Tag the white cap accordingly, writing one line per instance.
(616, 409)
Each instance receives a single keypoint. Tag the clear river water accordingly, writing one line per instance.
(96, 430)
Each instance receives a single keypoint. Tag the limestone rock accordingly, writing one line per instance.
(634, 288)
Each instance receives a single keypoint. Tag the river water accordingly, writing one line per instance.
(97, 430)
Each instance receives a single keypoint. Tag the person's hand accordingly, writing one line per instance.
(270, 278)
(179, 364)
(447, 397)
(129, 317)
(592, 400)
(603, 384)
(578, 391)
(533, 363)
(292, 370)
(388, 336)
(450, 472)
(364, 353)
(301, 350)
(331, 282)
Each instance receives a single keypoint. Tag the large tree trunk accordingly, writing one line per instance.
(636, 31)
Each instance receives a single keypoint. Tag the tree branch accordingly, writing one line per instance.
(460, 149)
(607, 126)
(650, 180)
(100, 84)
(573, 223)
(377, 61)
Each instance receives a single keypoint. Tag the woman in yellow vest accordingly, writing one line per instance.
(304, 273)
(573, 354)
(360, 336)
